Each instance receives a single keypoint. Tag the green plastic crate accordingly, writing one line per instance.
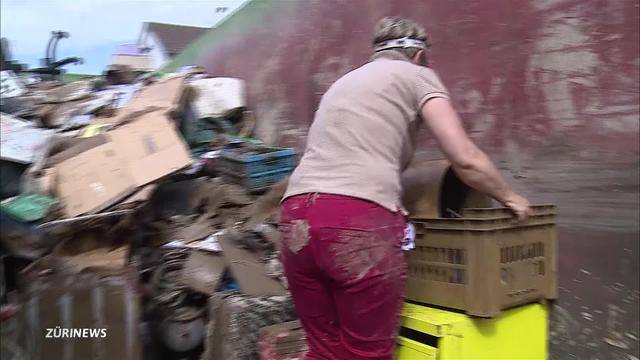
(29, 207)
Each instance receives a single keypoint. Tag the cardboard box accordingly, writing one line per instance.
(60, 149)
(151, 147)
(163, 95)
(93, 180)
(100, 172)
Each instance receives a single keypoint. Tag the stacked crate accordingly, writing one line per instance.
(432, 333)
(484, 262)
(472, 281)
(256, 167)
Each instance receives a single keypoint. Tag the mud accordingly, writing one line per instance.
(357, 252)
(298, 235)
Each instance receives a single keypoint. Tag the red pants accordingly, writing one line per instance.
(346, 273)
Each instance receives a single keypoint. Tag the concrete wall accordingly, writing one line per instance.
(548, 88)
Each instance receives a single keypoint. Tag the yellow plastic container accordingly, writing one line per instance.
(430, 333)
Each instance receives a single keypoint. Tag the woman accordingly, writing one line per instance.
(341, 215)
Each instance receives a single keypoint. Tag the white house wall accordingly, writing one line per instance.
(157, 53)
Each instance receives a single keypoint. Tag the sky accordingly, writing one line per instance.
(95, 26)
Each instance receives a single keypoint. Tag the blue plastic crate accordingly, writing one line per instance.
(259, 181)
(250, 161)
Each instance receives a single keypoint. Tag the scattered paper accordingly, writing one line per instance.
(208, 244)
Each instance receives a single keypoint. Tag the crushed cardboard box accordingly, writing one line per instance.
(162, 95)
(134, 155)
(93, 180)
(151, 146)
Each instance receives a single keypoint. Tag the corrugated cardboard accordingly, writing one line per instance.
(135, 154)
(162, 95)
(93, 180)
(63, 149)
(151, 147)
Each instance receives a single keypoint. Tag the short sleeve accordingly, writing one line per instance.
(429, 86)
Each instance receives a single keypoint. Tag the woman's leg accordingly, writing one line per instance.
(309, 287)
(358, 246)
(346, 273)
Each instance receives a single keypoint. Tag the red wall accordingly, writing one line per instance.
(548, 88)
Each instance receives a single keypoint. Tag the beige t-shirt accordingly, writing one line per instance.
(363, 134)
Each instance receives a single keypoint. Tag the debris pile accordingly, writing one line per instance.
(142, 205)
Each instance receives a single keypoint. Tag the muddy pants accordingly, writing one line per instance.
(346, 273)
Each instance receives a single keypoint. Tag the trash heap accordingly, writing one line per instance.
(140, 205)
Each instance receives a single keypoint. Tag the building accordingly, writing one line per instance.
(132, 55)
(157, 44)
(164, 41)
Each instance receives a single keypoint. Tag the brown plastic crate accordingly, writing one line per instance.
(484, 262)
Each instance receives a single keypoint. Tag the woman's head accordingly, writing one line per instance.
(402, 35)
